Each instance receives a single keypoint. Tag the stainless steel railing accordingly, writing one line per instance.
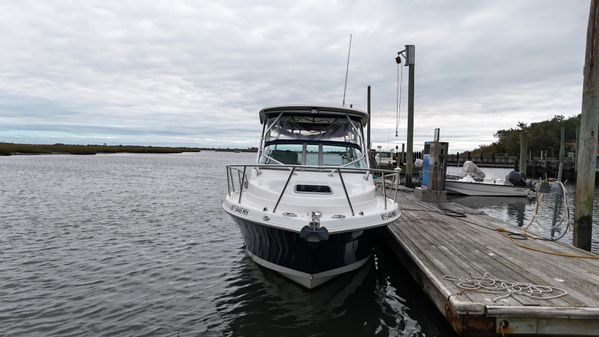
(241, 171)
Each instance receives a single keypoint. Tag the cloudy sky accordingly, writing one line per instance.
(193, 72)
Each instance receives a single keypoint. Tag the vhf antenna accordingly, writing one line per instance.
(346, 70)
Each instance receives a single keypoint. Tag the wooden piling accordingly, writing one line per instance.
(587, 154)
(523, 151)
(403, 153)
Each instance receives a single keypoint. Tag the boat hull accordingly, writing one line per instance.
(483, 189)
(307, 263)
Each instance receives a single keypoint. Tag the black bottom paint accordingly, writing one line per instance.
(287, 249)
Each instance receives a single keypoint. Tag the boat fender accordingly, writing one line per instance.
(312, 234)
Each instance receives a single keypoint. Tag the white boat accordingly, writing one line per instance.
(384, 158)
(472, 182)
(485, 188)
(310, 208)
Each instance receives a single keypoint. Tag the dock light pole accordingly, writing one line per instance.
(409, 54)
(587, 150)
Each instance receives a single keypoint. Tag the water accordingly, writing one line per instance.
(138, 245)
(519, 212)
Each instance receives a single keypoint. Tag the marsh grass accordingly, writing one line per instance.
(7, 149)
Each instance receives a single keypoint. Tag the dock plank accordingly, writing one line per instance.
(505, 248)
(480, 262)
(588, 280)
(434, 244)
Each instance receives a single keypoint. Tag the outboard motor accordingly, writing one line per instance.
(515, 179)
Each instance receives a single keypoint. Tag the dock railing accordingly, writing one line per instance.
(387, 180)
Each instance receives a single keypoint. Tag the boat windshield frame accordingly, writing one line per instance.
(305, 142)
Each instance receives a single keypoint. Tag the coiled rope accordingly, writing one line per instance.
(505, 288)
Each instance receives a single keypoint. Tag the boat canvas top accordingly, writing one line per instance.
(320, 111)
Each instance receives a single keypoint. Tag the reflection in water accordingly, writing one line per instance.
(514, 209)
(518, 212)
(138, 245)
(267, 304)
(286, 307)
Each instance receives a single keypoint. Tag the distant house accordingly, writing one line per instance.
(570, 147)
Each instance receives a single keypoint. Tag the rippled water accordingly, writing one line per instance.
(137, 245)
(519, 212)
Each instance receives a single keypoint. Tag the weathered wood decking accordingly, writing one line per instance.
(432, 245)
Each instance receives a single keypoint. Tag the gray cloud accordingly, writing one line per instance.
(197, 72)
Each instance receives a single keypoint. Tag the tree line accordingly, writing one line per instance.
(542, 136)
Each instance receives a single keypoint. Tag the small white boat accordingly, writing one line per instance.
(487, 189)
(472, 182)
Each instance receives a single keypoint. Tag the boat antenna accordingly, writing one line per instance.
(346, 70)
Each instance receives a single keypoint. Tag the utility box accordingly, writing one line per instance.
(434, 170)
(437, 165)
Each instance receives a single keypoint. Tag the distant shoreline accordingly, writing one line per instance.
(9, 149)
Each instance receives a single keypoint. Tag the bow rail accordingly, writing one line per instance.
(380, 178)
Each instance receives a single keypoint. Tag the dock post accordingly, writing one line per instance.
(403, 153)
(587, 156)
(523, 151)
(562, 153)
(368, 145)
(410, 55)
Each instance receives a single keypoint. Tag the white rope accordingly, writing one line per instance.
(505, 288)
(566, 213)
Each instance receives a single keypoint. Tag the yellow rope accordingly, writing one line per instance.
(504, 232)
(534, 216)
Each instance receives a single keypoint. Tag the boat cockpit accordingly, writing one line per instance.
(313, 139)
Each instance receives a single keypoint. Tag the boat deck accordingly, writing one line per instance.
(437, 248)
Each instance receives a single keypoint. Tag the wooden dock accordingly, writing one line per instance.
(438, 247)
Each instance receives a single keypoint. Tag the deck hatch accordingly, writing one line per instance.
(322, 189)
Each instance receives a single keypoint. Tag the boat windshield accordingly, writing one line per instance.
(336, 129)
(313, 141)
